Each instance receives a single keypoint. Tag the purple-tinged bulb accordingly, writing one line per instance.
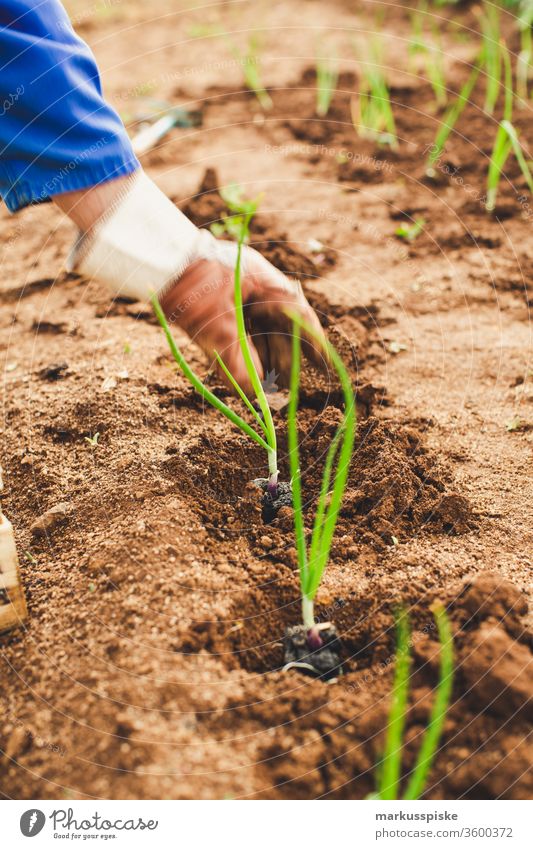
(314, 640)
(272, 487)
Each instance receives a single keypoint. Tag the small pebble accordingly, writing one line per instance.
(50, 519)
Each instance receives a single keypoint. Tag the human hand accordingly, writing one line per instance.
(202, 303)
(144, 244)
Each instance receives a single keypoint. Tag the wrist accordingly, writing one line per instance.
(88, 206)
(140, 244)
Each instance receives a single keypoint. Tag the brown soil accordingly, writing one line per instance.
(152, 663)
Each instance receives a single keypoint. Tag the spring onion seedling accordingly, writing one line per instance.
(312, 559)
(417, 40)
(518, 152)
(432, 53)
(523, 64)
(435, 70)
(391, 762)
(506, 141)
(327, 74)
(244, 210)
(231, 224)
(390, 766)
(409, 232)
(502, 145)
(250, 63)
(371, 112)
(450, 119)
(492, 53)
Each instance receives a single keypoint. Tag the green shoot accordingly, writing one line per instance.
(371, 112)
(409, 232)
(92, 440)
(508, 82)
(244, 210)
(523, 64)
(242, 395)
(500, 154)
(426, 755)
(313, 561)
(492, 52)
(506, 141)
(517, 150)
(513, 424)
(327, 75)
(294, 460)
(450, 119)
(390, 766)
(391, 763)
(198, 384)
(432, 53)
(417, 40)
(435, 70)
(231, 224)
(252, 74)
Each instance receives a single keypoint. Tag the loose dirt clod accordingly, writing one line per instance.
(488, 594)
(303, 652)
(497, 670)
(272, 505)
(54, 371)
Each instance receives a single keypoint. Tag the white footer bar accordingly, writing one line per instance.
(268, 825)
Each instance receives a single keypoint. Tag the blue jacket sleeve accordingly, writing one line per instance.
(57, 133)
